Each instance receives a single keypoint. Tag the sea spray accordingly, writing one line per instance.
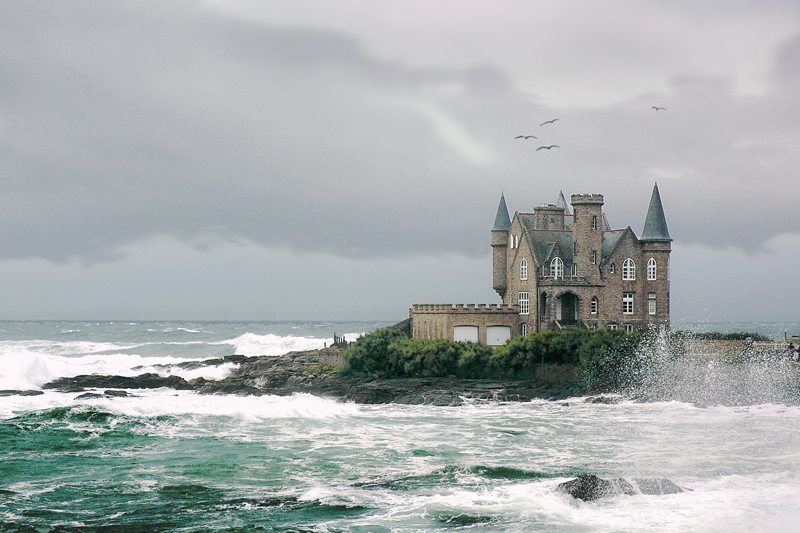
(677, 367)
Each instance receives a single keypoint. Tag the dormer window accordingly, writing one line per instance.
(557, 268)
(629, 270)
(523, 270)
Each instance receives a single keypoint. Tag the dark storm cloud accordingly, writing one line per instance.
(122, 121)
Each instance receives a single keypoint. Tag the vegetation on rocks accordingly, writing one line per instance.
(388, 353)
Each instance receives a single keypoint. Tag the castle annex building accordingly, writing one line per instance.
(556, 269)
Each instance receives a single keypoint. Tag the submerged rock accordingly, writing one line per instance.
(20, 392)
(588, 487)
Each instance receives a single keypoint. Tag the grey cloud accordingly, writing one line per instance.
(118, 122)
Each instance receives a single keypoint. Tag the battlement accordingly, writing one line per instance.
(581, 199)
(463, 308)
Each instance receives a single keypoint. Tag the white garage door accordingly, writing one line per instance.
(465, 333)
(497, 335)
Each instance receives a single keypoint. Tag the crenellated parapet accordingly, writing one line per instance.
(463, 308)
(483, 323)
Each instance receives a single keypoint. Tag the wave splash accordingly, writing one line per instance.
(669, 367)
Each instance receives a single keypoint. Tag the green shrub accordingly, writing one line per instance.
(386, 353)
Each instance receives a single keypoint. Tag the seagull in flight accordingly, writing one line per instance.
(526, 137)
(657, 108)
(548, 122)
(548, 147)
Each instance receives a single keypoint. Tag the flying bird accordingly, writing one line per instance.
(525, 137)
(657, 108)
(548, 122)
(548, 147)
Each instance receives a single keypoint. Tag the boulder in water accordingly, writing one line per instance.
(588, 487)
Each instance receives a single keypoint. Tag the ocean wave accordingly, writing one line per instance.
(252, 344)
(23, 369)
(154, 403)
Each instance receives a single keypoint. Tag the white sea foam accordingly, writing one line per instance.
(251, 344)
(149, 403)
(23, 369)
(32, 363)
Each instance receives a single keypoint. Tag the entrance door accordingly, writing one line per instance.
(567, 308)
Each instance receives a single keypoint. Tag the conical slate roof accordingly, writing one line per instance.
(562, 202)
(655, 224)
(502, 222)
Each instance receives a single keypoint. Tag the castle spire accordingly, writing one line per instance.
(502, 222)
(655, 224)
(562, 202)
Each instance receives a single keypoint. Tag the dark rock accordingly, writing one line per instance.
(588, 487)
(142, 381)
(111, 393)
(603, 399)
(313, 372)
(20, 392)
(89, 396)
(657, 486)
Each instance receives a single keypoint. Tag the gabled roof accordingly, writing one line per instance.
(655, 224)
(501, 220)
(610, 240)
(545, 243)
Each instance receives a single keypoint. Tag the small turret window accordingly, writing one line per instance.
(651, 269)
(523, 270)
(594, 257)
(594, 305)
(594, 222)
(611, 268)
(629, 269)
(557, 268)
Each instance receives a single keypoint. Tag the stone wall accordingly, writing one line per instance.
(436, 321)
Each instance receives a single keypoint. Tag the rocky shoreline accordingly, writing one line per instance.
(313, 372)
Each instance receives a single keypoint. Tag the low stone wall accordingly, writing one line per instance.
(436, 321)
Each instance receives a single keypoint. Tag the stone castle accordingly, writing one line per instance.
(560, 270)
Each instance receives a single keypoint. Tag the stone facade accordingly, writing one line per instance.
(559, 270)
(456, 322)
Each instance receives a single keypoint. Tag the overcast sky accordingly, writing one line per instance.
(343, 160)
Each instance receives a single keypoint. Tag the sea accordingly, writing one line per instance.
(167, 460)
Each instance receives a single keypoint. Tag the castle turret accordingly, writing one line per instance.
(655, 223)
(502, 223)
(656, 247)
(587, 235)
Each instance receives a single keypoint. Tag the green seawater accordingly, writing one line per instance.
(165, 460)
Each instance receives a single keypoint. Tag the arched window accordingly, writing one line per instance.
(594, 305)
(523, 270)
(557, 268)
(651, 268)
(628, 269)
